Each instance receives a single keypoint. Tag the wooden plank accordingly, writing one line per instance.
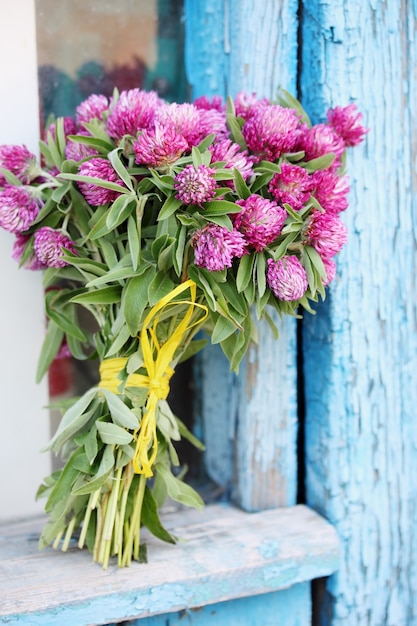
(249, 423)
(224, 554)
(361, 349)
(289, 607)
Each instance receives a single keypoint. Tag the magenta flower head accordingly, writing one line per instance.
(260, 221)
(159, 147)
(195, 186)
(20, 162)
(347, 123)
(326, 233)
(287, 278)
(134, 111)
(246, 104)
(330, 190)
(215, 103)
(98, 168)
(211, 121)
(271, 131)
(183, 119)
(215, 247)
(18, 209)
(292, 185)
(234, 157)
(321, 139)
(32, 263)
(92, 109)
(50, 246)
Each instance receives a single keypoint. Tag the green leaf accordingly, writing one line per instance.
(196, 157)
(10, 177)
(65, 482)
(109, 253)
(91, 444)
(321, 163)
(106, 295)
(223, 328)
(179, 249)
(120, 168)
(135, 299)
(236, 131)
(198, 277)
(56, 156)
(261, 181)
(169, 207)
(241, 187)
(207, 141)
(60, 192)
(150, 518)
(178, 490)
(102, 146)
(121, 414)
(120, 210)
(99, 182)
(160, 286)
(310, 273)
(113, 434)
(118, 341)
(74, 420)
(282, 247)
(261, 273)
(221, 220)
(244, 272)
(120, 272)
(220, 207)
(96, 129)
(92, 267)
(287, 100)
(296, 216)
(105, 469)
(51, 344)
(189, 436)
(133, 234)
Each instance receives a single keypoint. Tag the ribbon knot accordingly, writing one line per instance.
(160, 387)
(157, 360)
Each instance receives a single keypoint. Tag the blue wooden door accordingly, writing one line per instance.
(358, 356)
(360, 351)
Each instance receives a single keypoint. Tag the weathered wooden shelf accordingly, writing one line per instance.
(224, 554)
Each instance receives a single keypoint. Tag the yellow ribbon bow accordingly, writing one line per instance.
(157, 362)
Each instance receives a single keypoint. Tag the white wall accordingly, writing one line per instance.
(24, 423)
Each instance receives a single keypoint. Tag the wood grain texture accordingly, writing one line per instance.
(289, 607)
(361, 349)
(250, 422)
(224, 554)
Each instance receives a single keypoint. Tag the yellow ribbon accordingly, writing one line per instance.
(157, 359)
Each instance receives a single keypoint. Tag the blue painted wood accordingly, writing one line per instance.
(361, 350)
(250, 423)
(223, 555)
(290, 607)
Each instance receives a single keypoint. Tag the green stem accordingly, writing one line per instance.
(133, 538)
(92, 503)
(120, 530)
(109, 521)
(68, 534)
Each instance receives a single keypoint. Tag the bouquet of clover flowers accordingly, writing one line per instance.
(161, 220)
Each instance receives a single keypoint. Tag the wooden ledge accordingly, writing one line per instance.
(224, 554)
